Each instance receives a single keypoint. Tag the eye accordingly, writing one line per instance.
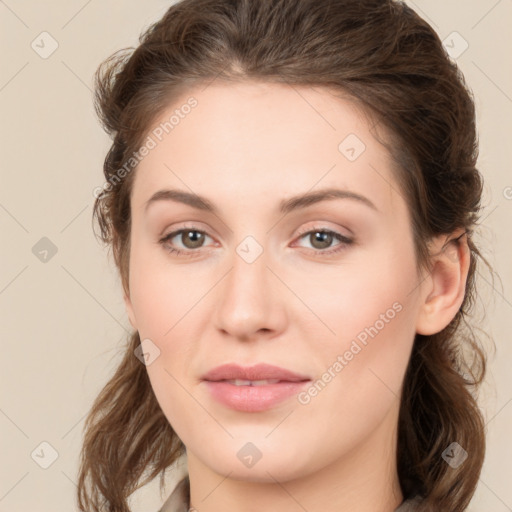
(190, 237)
(322, 238)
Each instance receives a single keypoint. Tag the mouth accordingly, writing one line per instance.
(264, 382)
(259, 373)
(253, 396)
(253, 389)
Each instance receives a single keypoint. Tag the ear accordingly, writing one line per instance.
(129, 310)
(442, 292)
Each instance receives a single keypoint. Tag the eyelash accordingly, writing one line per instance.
(345, 241)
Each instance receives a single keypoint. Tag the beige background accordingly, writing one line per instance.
(63, 320)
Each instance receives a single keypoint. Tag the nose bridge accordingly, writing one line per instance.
(248, 301)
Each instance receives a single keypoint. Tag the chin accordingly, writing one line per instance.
(253, 462)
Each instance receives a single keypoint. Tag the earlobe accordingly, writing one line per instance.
(129, 310)
(443, 292)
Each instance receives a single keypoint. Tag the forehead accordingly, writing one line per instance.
(259, 139)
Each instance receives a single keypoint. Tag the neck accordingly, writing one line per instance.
(365, 480)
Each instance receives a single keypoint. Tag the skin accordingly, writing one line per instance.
(246, 147)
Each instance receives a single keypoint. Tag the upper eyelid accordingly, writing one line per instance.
(301, 231)
(318, 224)
(319, 227)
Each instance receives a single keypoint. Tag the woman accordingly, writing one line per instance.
(290, 198)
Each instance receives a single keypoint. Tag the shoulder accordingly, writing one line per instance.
(179, 499)
(410, 505)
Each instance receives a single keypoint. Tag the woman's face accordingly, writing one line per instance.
(326, 289)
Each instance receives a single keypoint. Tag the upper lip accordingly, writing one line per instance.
(260, 371)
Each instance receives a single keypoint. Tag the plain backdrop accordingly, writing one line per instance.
(63, 319)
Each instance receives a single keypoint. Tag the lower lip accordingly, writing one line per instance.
(253, 398)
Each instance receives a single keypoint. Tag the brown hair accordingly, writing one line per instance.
(390, 61)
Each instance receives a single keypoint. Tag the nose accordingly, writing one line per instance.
(250, 301)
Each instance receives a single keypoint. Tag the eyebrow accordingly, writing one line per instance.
(286, 205)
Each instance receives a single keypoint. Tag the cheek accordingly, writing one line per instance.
(182, 411)
(165, 299)
(367, 315)
(162, 293)
(362, 367)
(358, 293)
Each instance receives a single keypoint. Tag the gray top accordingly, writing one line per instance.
(179, 500)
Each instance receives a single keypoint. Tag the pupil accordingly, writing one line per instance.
(323, 238)
(196, 238)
